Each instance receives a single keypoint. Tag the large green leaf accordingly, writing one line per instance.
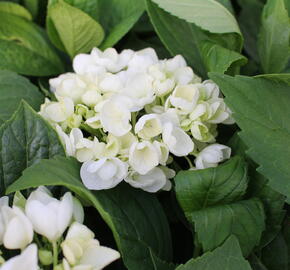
(196, 190)
(119, 18)
(15, 9)
(25, 49)
(210, 199)
(135, 217)
(13, 89)
(197, 46)
(25, 139)
(210, 15)
(214, 224)
(226, 257)
(261, 109)
(74, 29)
(273, 43)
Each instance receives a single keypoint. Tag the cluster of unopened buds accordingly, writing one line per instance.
(126, 115)
(36, 226)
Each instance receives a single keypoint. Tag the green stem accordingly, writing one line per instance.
(189, 162)
(55, 253)
(196, 252)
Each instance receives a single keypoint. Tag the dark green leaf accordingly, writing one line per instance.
(135, 217)
(256, 263)
(73, 29)
(208, 198)
(14, 88)
(25, 139)
(32, 6)
(273, 43)
(275, 255)
(25, 49)
(199, 189)
(261, 109)
(120, 19)
(250, 20)
(273, 205)
(244, 219)
(226, 257)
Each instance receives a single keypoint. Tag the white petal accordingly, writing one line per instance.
(153, 181)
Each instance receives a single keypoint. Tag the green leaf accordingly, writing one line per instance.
(25, 49)
(135, 217)
(273, 205)
(214, 224)
(121, 18)
(265, 125)
(219, 59)
(226, 257)
(207, 14)
(74, 29)
(282, 77)
(32, 6)
(13, 89)
(116, 23)
(25, 139)
(250, 21)
(256, 263)
(275, 255)
(208, 198)
(15, 9)
(227, 4)
(273, 42)
(172, 31)
(199, 189)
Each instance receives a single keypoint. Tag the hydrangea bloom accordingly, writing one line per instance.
(125, 115)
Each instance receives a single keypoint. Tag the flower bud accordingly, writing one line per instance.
(45, 256)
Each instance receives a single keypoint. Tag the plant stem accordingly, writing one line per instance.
(189, 162)
(196, 251)
(55, 253)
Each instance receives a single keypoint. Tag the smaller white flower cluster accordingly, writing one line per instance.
(45, 218)
(125, 115)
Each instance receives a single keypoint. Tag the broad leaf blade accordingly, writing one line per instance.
(207, 14)
(13, 89)
(214, 224)
(273, 43)
(187, 39)
(135, 217)
(210, 199)
(25, 49)
(226, 257)
(76, 30)
(24, 140)
(196, 190)
(261, 109)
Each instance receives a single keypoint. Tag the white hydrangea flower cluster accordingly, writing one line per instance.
(125, 115)
(45, 218)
